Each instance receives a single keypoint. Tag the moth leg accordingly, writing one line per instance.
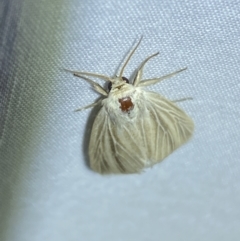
(95, 85)
(100, 76)
(88, 106)
(183, 99)
(140, 70)
(156, 80)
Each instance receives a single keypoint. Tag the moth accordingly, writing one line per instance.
(134, 128)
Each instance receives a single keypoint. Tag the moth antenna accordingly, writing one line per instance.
(129, 57)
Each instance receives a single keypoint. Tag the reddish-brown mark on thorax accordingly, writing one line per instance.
(126, 104)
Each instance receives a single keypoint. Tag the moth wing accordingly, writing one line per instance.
(167, 127)
(114, 148)
(128, 147)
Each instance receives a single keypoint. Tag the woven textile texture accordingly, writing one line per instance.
(47, 191)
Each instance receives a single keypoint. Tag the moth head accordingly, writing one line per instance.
(118, 83)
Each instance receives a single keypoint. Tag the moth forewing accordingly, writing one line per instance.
(156, 129)
(173, 126)
(113, 148)
(134, 128)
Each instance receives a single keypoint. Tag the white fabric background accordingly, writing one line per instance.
(194, 193)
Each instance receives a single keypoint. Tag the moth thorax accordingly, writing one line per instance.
(126, 104)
